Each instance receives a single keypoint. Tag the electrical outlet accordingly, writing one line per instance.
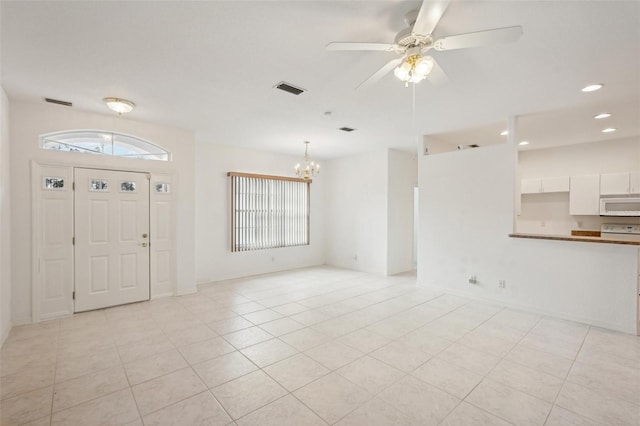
(502, 283)
(473, 279)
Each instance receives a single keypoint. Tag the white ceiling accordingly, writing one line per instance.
(211, 66)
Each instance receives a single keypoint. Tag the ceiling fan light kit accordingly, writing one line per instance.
(415, 41)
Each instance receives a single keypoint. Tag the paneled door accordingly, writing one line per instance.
(111, 238)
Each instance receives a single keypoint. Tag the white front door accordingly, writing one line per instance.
(111, 238)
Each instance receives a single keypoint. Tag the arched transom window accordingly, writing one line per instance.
(103, 143)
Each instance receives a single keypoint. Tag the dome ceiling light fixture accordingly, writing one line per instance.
(121, 106)
(310, 169)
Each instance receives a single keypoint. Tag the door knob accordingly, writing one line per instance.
(144, 235)
(143, 244)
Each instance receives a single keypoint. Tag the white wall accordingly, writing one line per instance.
(30, 120)
(214, 259)
(466, 214)
(549, 213)
(403, 177)
(356, 212)
(5, 220)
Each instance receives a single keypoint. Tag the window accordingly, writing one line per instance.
(103, 143)
(268, 212)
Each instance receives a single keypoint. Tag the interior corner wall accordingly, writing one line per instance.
(214, 259)
(466, 214)
(356, 212)
(29, 120)
(5, 220)
(403, 177)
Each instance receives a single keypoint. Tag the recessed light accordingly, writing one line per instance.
(592, 87)
(524, 143)
(609, 130)
(504, 133)
(602, 115)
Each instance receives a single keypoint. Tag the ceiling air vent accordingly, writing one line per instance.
(346, 129)
(59, 102)
(289, 88)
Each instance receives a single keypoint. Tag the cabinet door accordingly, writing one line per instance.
(555, 184)
(614, 183)
(530, 186)
(634, 182)
(584, 195)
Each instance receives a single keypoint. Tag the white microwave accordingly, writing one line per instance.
(629, 206)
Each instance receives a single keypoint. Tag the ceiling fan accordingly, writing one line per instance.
(414, 42)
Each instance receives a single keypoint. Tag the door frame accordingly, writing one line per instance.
(157, 175)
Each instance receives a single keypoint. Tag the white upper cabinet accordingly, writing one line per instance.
(620, 183)
(545, 185)
(584, 197)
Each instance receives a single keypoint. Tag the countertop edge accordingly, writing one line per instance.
(575, 238)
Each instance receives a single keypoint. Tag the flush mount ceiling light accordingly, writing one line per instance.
(504, 133)
(121, 106)
(609, 130)
(523, 143)
(592, 87)
(602, 115)
(310, 169)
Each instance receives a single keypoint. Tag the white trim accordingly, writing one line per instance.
(6, 334)
(161, 296)
(35, 247)
(532, 309)
(21, 321)
(187, 291)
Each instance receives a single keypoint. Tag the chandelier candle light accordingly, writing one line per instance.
(310, 169)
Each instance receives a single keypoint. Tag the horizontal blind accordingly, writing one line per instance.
(268, 212)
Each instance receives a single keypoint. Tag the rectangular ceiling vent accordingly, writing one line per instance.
(59, 102)
(346, 129)
(289, 88)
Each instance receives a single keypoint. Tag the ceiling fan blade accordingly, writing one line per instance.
(429, 16)
(383, 47)
(479, 38)
(437, 76)
(380, 73)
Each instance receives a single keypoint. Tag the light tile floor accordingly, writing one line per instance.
(318, 346)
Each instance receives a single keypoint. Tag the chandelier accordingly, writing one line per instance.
(414, 68)
(310, 169)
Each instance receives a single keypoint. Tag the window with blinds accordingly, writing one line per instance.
(268, 211)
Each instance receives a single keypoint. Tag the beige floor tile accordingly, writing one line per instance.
(290, 308)
(486, 343)
(269, 352)
(248, 393)
(401, 356)
(617, 380)
(334, 354)
(205, 350)
(118, 408)
(540, 361)
(332, 397)
(561, 417)
(247, 337)
(555, 345)
(370, 374)
(468, 415)
(510, 404)
(310, 317)
(285, 411)
(43, 421)
(364, 340)
(71, 367)
(144, 348)
(469, 359)
(191, 335)
(156, 365)
(297, 371)
(425, 341)
(27, 380)
(26, 407)
(230, 325)
(260, 317)
(305, 339)
(281, 326)
(423, 403)
(224, 368)
(200, 409)
(90, 386)
(598, 406)
(247, 308)
(376, 413)
(336, 327)
(527, 380)
(166, 390)
(447, 377)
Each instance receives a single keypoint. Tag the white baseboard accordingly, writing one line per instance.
(21, 321)
(184, 292)
(161, 295)
(5, 334)
(536, 310)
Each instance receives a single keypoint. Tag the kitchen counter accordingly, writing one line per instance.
(576, 238)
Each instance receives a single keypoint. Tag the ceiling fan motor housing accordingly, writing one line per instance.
(408, 39)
